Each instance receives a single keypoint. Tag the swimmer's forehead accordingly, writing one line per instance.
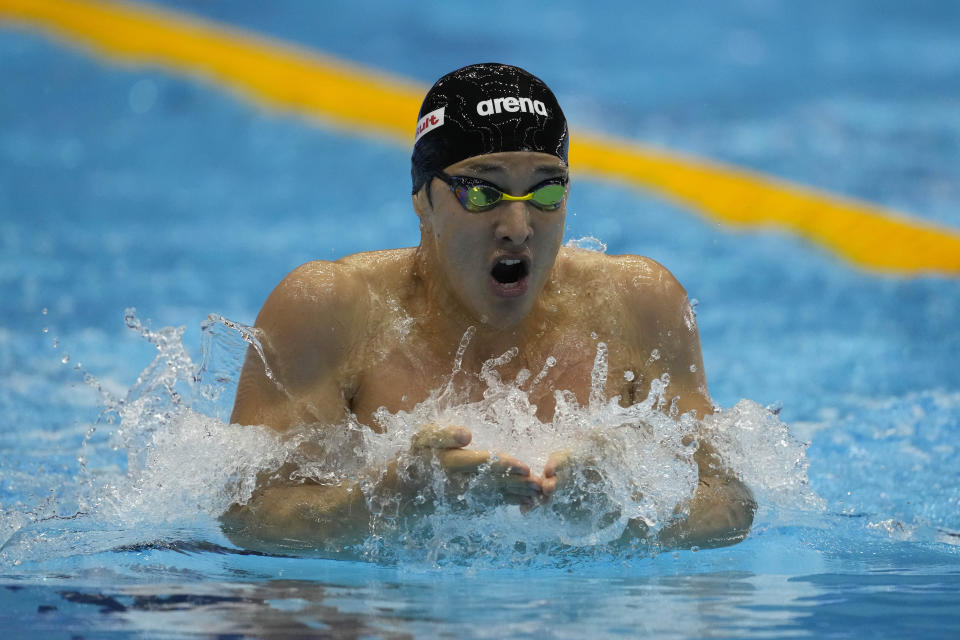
(512, 163)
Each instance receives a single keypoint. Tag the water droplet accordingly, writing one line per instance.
(65, 359)
(56, 343)
(43, 311)
(676, 555)
(693, 368)
(593, 334)
(628, 376)
(694, 548)
(44, 330)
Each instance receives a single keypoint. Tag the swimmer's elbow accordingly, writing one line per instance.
(747, 504)
(735, 507)
(740, 510)
(294, 519)
(721, 514)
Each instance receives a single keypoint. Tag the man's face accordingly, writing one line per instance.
(494, 262)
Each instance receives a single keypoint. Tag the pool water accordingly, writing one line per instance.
(131, 187)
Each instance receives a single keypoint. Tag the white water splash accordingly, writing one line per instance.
(184, 462)
(588, 243)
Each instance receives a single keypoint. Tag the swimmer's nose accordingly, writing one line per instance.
(513, 223)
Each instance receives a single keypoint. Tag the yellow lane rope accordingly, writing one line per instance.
(862, 233)
(375, 104)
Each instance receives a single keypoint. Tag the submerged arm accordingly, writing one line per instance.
(307, 327)
(287, 519)
(720, 512)
(722, 508)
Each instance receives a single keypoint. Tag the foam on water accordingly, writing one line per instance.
(171, 463)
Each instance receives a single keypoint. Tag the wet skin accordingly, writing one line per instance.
(381, 329)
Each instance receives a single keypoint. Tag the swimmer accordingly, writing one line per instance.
(490, 187)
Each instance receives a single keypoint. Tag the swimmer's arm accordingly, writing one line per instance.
(307, 327)
(722, 508)
(291, 519)
(720, 512)
(664, 335)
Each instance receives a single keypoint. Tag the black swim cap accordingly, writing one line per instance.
(485, 108)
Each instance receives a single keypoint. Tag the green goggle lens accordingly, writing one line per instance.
(477, 197)
(549, 196)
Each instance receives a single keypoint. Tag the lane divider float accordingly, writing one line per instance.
(378, 105)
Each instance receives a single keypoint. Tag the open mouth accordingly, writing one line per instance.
(509, 270)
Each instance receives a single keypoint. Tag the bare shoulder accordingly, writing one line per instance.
(384, 269)
(641, 282)
(310, 329)
(319, 313)
(645, 277)
(307, 323)
(327, 289)
(651, 308)
(321, 293)
(640, 295)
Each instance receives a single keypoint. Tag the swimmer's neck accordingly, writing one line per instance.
(448, 319)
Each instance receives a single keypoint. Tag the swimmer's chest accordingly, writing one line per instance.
(401, 375)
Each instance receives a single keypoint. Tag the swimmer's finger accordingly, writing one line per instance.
(548, 485)
(462, 460)
(508, 465)
(555, 462)
(433, 436)
(467, 461)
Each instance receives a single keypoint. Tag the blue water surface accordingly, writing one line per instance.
(127, 186)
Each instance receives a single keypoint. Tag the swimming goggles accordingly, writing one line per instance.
(478, 195)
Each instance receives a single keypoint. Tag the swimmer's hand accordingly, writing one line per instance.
(556, 464)
(289, 518)
(565, 467)
(574, 488)
(550, 479)
(497, 477)
(719, 514)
